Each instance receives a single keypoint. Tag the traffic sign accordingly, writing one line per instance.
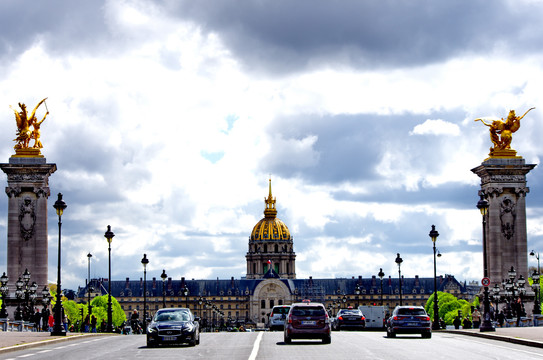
(485, 281)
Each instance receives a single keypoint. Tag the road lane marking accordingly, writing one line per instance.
(256, 346)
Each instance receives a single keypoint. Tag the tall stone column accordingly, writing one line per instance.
(503, 184)
(27, 190)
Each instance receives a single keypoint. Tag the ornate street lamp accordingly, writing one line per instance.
(535, 286)
(399, 261)
(186, 294)
(486, 325)
(536, 255)
(19, 293)
(164, 277)
(58, 329)
(144, 262)
(496, 296)
(200, 301)
(45, 297)
(4, 291)
(381, 275)
(433, 235)
(89, 287)
(109, 237)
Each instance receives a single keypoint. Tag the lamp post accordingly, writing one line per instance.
(200, 301)
(4, 290)
(19, 295)
(381, 275)
(399, 261)
(89, 287)
(535, 286)
(433, 235)
(58, 329)
(164, 277)
(144, 262)
(109, 237)
(186, 294)
(532, 253)
(486, 325)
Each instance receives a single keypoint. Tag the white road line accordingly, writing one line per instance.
(256, 346)
(44, 351)
(508, 348)
(27, 355)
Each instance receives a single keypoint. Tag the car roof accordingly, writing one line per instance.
(172, 310)
(308, 304)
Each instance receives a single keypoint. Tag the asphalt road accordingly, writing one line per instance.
(269, 345)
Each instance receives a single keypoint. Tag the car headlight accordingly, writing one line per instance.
(151, 330)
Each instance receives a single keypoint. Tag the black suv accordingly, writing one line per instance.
(409, 320)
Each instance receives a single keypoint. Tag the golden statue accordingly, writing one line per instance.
(24, 124)
(501, 133)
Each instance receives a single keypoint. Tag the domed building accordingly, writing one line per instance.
(271, 252)
(270, 281)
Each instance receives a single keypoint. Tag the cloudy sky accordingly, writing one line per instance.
(167, 119)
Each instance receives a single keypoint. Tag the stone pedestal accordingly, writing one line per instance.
(503, 184)
(27, 190)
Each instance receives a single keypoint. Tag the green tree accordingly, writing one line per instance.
(99, 309)
(448, 306)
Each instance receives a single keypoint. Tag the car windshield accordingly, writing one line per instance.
(349, 312)
(172, 316)
(281, 310)
(308, 311)
(411, 311)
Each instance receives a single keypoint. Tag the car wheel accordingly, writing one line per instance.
(287, 340)
(390, 334)
(150, 345)
(427, 335)
(197, 339)
(327, 339)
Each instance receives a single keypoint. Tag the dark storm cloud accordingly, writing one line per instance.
(351, 147)
(62, 24)
(284, 35)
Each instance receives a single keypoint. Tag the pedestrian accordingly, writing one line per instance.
(457, 322)
(501, 318)
(37, 320)
(87, 323)
(476, 318)
(51, 322)
(93, 323)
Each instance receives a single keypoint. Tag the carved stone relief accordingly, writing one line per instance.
(27, 219)
(507, 216)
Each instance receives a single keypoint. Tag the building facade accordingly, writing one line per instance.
(270, 281)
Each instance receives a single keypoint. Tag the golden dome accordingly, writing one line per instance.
(270, 228)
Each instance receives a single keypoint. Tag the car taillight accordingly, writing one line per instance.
(426, 318)
(362, 318)
(289, 320)
(271, 314)
(326, 319)
(340, 318)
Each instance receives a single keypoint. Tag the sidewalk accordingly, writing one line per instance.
(14, 340)
(529, 335)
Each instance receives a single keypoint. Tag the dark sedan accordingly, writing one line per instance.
(350, 319)
(409, 320)
(173, 326)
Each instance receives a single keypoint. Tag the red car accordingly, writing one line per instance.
(307, 320)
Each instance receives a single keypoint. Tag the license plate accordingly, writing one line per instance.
(412, 324)
(169, 338)
(308, 322)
